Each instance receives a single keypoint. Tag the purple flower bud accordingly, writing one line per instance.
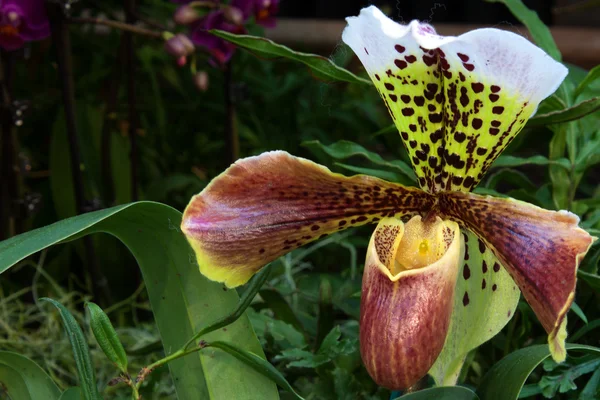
(186, 15)
(201, 81)
(179, 46)
(233, 15)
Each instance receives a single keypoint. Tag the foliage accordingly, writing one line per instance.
(295, 327)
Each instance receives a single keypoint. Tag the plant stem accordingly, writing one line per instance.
(117, 25)
(9, 188)
(106, 135)
(231, 136)
(62, 43)
(131, 98)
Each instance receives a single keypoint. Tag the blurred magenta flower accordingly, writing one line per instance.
(220, 50)
(264, 11)
(22, 21)
(229, 17)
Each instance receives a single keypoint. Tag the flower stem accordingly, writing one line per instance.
(127, 27)
(62, 42)
(231, 136)
(131, 98)
(9, 186)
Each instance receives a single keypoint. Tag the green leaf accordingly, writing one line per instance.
(322, 67)
(107, 337)
(484, 315)
(579, 312)
(540, 32)
(345, 149)
(572, 113)
(81, 352)
(73, 393)
(258, 364)
(280, 307)
(378, 173)
(590, 391)
(512, 161)
(442, 393)
(183, 301)
(591, 279)
(506, 378)
(24, 379)
(589, 78)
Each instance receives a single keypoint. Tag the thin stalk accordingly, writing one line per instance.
(62, 43)
(131, 97)
(9, 188)
(232, 146)
(106, 135)
(117, 25)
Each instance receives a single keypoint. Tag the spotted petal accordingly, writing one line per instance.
(457, 101)
(485, 301)
(265, 206)
(405, 313)
(540, 249)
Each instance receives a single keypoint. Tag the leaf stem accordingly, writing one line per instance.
(117, 25)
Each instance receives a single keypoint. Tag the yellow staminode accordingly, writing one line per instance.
(422, 244)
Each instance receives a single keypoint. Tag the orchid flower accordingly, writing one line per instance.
(22, 21)
(444, 265)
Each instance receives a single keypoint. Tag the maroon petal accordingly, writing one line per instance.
(540, 249)
(265, 206)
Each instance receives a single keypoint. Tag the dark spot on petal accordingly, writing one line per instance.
(481, 151)
(494, 131)
(496, 267)
(393, 97)
(459, 136)
(496, 123)
(400, 64)
(419, 100)
(261, 251)
(484, 266)
(498, 110)
(314, 228)
(466, 299)
(412, 127)
(495, 89)
(399, 48)
(466, 272)
(389, 86)
(483, 284)
(463, 57)
(476, 123)
(407, 112)
(493, 97)
(377, 77)
(411, 59)
(477, 87)
(469, 67)
(405, 98)
(494, 287)
(404, 135)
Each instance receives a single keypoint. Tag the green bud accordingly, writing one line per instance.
(107, 337)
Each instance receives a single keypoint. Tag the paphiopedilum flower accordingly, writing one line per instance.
(443, 264)
(22, 21)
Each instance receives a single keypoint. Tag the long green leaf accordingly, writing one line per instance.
(506, 378)
(24, 379)
(345, 149)
(589, 78)
(73, 393)
(322, 67)
(512, 161)
(183, 301)
(258, 364)
(539, 31)
(442, 393)
(575, 112)
(81, 352)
